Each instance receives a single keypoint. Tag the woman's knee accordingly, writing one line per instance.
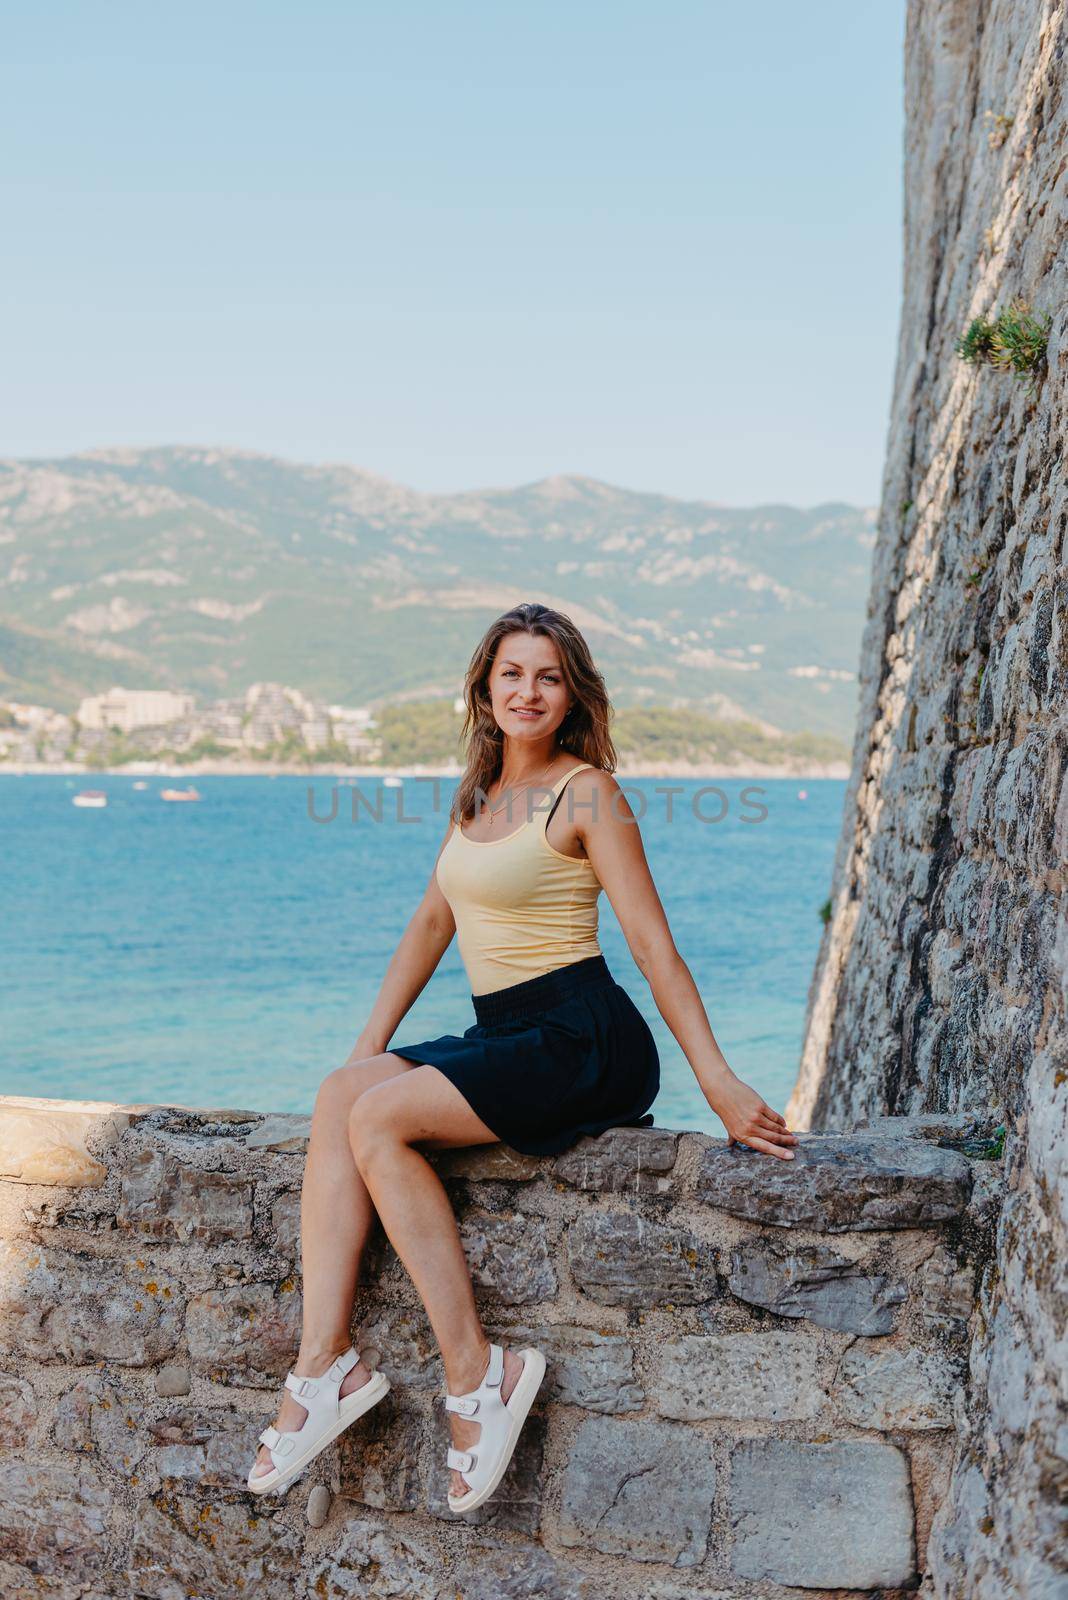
(340, 1089)
(368, 1127)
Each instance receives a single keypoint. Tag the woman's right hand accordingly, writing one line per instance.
(365, 1047)
(749, 1120)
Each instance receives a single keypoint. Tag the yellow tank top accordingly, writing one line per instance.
(521, 907)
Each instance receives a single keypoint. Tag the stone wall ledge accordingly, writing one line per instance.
(756, 1367)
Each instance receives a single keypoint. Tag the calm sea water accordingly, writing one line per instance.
(227, 953)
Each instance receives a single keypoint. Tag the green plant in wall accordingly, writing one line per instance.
(825, 912)
(998, 130)
(1013, 341)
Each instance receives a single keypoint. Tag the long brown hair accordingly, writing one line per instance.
(584, 730)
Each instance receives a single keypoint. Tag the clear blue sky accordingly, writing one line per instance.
(460, 244)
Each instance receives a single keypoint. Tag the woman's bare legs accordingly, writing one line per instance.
(336, 1218)
(424, 1106)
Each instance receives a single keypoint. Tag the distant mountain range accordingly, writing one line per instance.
(208, 570)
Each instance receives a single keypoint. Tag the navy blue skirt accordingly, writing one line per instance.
(551, 1059)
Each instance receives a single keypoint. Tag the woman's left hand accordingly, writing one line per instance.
(750, 1120)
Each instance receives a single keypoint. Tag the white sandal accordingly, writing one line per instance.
(484, 1464)
(329, 1413)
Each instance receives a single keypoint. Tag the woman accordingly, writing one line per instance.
(558, 1048)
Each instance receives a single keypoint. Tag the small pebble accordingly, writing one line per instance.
(318, 1505)
(172, 1380)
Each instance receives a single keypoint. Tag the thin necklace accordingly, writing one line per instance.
(492, 813)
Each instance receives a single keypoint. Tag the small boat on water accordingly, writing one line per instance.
(180, 794)
(89, 797)
(140, 784)
(393, 783)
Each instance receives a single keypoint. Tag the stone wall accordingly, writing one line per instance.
(947, 949)
(754, 1378)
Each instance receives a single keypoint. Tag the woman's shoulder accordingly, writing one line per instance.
(600, 790)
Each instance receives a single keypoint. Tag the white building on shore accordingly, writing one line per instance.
(133, 708)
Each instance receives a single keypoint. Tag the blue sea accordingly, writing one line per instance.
(228, 952)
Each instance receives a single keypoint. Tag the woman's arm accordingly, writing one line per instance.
(609, 831)
(422, 945)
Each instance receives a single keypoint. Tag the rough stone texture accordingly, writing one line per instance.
(897, 1388)
(244, 1332)
(138, 1383)
(380, 1455)
(622, 1258)
(57, 1306)
(816, 1283)
(164, 1198)
(835, 1184)
(509, 1257)
(639, 1489)
(58, 1141)
(628, 1160)
(773, 1377)
(586, 1367)
(802, 1514)
(183, 1547)
(941, 982)
(53, 1520)
(18, 1411)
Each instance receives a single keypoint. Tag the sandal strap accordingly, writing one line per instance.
(299, 1386)
(465, 1404)
(343, 1364)
(495, 1370)
(282, 1442)
(462, 1460)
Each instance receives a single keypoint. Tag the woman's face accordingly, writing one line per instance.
(529, 695)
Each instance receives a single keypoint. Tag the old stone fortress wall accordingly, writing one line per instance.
(755, 1366)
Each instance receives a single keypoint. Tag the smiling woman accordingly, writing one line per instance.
(558, 1048)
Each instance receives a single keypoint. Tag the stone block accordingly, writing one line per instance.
(639, 1489)
(58, 1306)
(245, 1334)
(488, 1163)
(897, 1388)
(518, 1572)
(821, 1516)
(18, 1411)
(584, 1367)
(379, 1455)
(183, 1547)
(839, 1182)
(164, 1198)
(212, 1446)
(766, 1376)
(95, 1417)
(621, 1160)
(946, 1294)
(58, 1141)
(508, 1256)
(816, 1283)
(400, 1341)
(515, 1505)
(280, 1131)
(53, 1521)
(622, 1258)
(285, 1225)
(369, 1560)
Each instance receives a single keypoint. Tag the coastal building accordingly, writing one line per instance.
(133, 708)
